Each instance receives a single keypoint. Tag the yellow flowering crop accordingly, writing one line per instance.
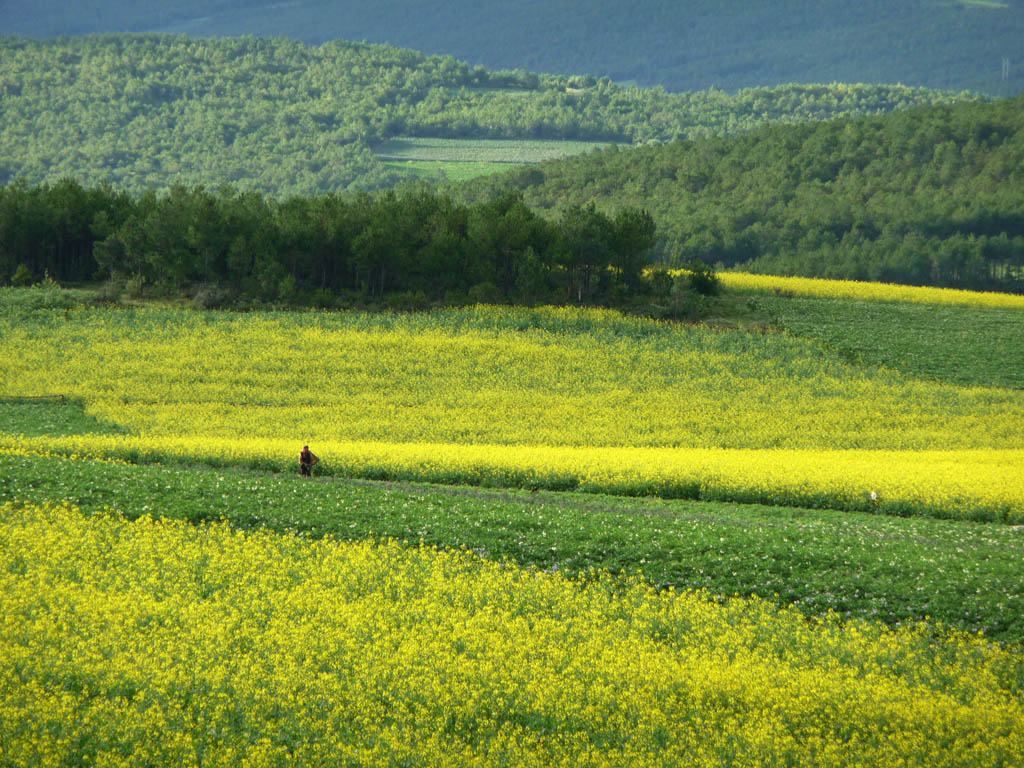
(159, 643)
(853, 289)
(561, 398)
(974, 484)
(167, 374)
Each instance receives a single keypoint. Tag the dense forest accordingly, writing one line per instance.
(283, 118)
(948, 44)
(930, 196)
(403, 249)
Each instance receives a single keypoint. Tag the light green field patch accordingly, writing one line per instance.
(444, 171)
(464, 159)
(507, 92)
(481, 150)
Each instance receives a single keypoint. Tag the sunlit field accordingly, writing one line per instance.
(508, 151)
(851, 289)
(899, 570)
(554, 398)
(463, 159)
(786, 600)
(160, 643)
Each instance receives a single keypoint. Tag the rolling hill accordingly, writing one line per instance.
(281, 117)
(930, 196)
(948, 44)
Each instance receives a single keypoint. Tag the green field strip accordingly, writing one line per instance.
(896, 570)
(482, 150)
(446, 170)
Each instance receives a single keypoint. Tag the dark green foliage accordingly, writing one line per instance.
(282, 118)
(401, 249)
(681, 46)
(40, 296)
(931, 196)
(54, 229)
(896, 570)
(702, 279)
(22, 276)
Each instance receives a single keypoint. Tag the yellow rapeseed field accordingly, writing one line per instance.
(553, 397)
(853, 289)
(159, 643)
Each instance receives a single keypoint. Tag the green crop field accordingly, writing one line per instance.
(821, 534)
(482, 150)
(463, 159)
(153, 641)
(967, 346)
(878, 567)
(441, 170)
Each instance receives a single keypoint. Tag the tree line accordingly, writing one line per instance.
(928, 196)
(287, 119)
(397, 248)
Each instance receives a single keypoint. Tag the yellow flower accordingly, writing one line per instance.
(160, 643)
(554, 397)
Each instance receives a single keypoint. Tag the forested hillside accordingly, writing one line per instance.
(950, 44)
(931, 196)
(284, 118)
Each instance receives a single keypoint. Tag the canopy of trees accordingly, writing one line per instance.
(246, 246)
(282, 118)
(951, 44)
(927, 196)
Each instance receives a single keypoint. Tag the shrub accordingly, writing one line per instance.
(406, 301)
(22, 276)
(324, 299)
(703, 279)
(486, 293)
(134, 285)
(660, 281)
(211, 297)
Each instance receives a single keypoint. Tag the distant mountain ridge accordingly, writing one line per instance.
(950, 44)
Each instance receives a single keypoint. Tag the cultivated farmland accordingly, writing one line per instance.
(553, 398)
(517, 152)
(207, 646)
(825, 573)
(462, 159)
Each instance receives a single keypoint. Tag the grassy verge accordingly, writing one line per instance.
(897, 570)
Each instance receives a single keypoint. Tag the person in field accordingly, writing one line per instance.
(306, 461)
